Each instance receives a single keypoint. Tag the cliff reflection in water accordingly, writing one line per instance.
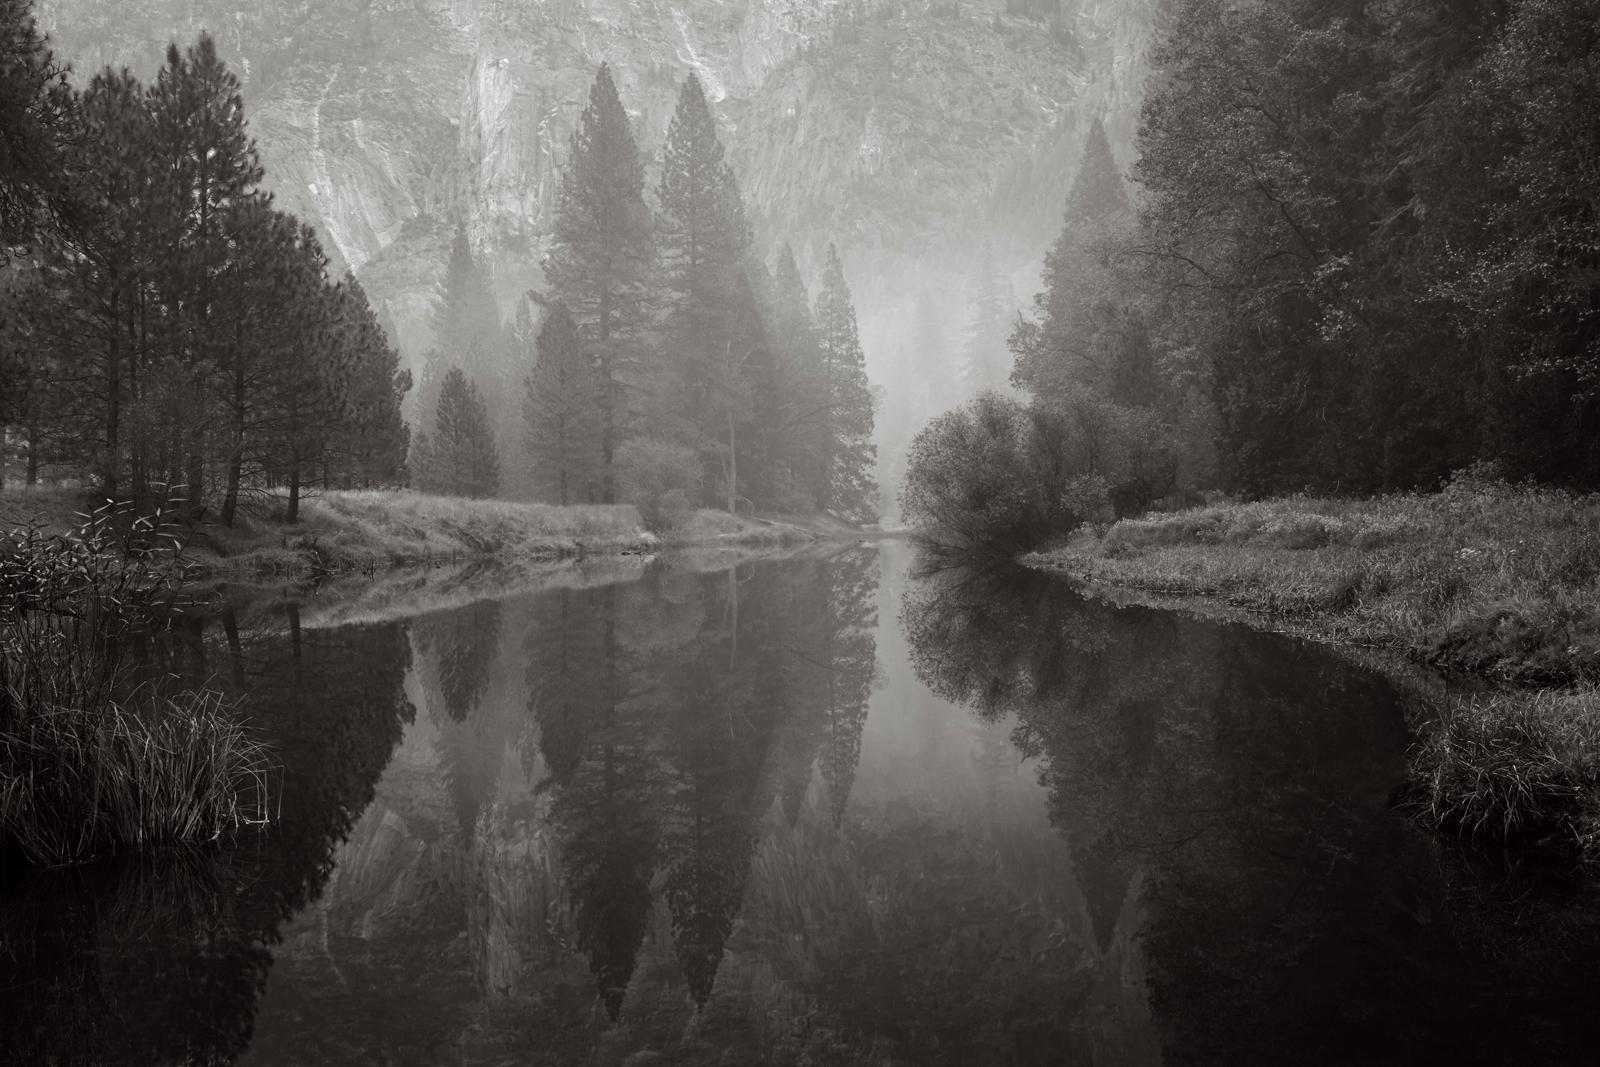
(812, 810)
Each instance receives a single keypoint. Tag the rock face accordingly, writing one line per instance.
(899, 130)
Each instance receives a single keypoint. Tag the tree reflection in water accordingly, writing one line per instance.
(161, 958)
(716, 815)
(1226, 797)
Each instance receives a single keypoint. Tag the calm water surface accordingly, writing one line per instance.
(812, 811)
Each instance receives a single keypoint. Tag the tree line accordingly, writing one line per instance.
(169, 333)
(663, 363)
(1357, 254)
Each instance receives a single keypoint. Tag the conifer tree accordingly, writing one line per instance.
(984, 360)
(466, 331)
(372, 439)
(36, 113)
(715, 341)
(209, 166)
(465, 461)
(801, 417)
(848, 486)
(601, 258)
(1079, 312)
(565, 426)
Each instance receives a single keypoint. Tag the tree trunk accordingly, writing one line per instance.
(291, 514)
(32, 476)
(113, 458)
(733, 468)
(230, 501)
(608, 432)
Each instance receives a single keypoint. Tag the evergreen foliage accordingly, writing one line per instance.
(565, 413)
(463, 460)
(715, 345)
(601, 259)
(984, 360)
(847, 486)
(178, 335)
(466, 334)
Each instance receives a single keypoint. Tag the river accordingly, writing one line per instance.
(825, 809)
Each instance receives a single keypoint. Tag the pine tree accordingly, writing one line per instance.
(601, 258)
(715, 337)
(466, 332)
(848, 487)
(1065, 351)
(800, 391)
(565, 426)
(465, 461)
(984, 360)
(36, 115)
(209, 166)
(372, 439)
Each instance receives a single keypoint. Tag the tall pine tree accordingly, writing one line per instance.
(466, 331)
(465, 461)
(848, 487)
(564, 424)
(984, 360)
(715, 339)
(209, 167)
(1067, 350)
(601, 257)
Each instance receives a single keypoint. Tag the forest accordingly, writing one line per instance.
(168, 335)
(1357, 253)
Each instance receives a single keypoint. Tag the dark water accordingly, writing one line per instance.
(811, 811)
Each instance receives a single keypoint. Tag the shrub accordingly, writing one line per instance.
(1006, 477)
(661, 479)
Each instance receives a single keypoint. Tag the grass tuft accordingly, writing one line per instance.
(76, 784)
(1515, 767)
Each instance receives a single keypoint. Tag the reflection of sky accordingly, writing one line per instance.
(922, 751)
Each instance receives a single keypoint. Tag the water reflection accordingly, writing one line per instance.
(814, 810)
(1226, 798)
(161, 958)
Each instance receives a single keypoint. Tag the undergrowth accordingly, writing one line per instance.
(90, 763)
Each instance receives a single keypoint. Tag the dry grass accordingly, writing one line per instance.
(1485, 577)
(707, 527)
(371, 530)
(1497, 579)
(365, 531)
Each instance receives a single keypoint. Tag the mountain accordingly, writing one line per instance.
(902, 131)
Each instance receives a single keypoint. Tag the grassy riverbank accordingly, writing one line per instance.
(1497, 580)
(366, 531)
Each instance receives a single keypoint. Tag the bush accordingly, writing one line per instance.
(1007, 477)
(661, 479)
